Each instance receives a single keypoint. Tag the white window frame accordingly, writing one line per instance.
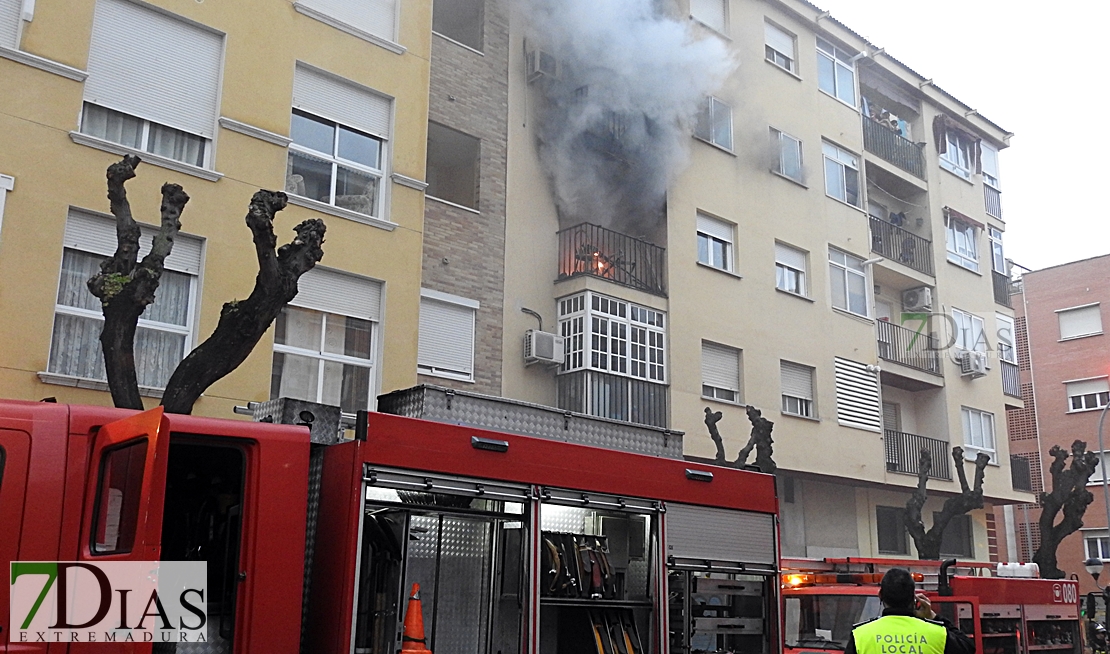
(784, 270)
(958, 157)
(7, 184)
(783, 141)
(1089, 394)
(969, 418)
(320, 11)
(1085, 307)
(965, 252)
(336, 162)
(834, 155)
(795, 405)
(718, 389)
(466, 303)
(323, 357)
(1096, 475)
(840, 60)
(720, 29)
(613, 336)
(712, 110)
(146, 136)
(991, 174)
(842, 269)
(1098, 539)
(1007, 339)
(998, 254)
(787, 61)
(971, 335)
(713, 231)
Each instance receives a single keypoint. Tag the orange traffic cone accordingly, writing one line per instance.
(412, 640)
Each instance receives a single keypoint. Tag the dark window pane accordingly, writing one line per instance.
(360, 148)
(118, 498)
(308, 177)
(313, 132)
(892, 530)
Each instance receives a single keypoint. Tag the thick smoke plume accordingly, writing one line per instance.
(615, 123)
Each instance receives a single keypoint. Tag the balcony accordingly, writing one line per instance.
(614, 397)
(894, 148)
(907, 347)
(903, 454)
(1020, 473)
(993, 199)
(903, 246)
(1002, 286)
(592, 250)
(1011, 379)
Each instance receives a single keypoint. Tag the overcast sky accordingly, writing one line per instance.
(1038, 70)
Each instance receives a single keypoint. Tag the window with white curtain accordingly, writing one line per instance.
(164, 333)
(779, 47)
(790, 155)
(10, 11)
(1088, 394)
(836, 72)
(848, 279)
(715, 239)
(790, 270)
(1078, 322)
(841, 174)
(971, 335)
(720, 372)
(711, 13)
(1006, 336)
(797, 390)
(959, 154)
(325, 342)
(153, 82)
(447, 325)
(715, 123)
(978, 432)
(376, 18)
(961, 243)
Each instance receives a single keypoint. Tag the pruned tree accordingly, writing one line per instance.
(711, 419)
(970, 498)
(126, 286)
(1069, 496)
(760, 440)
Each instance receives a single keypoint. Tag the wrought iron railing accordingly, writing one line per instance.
(893, 147)
(587, 249)
(1011, 379)
(901, 245)
(993, 200)
(903, 454)
(613, 396)
(1002, 286)
(1020, 473)
(916, 350)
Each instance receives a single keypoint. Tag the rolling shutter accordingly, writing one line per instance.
(340, 100)
(1087, 387)
(331, 291)
(714, 534)
(720, 366)
(779, 40)
(446, 337)
(790, 257)
(710, 12)
(857, 396)
(9, 22)
(715, 228)
(377, 17)
(148, 64)
(1080, 322)
(797, 380)
(89, 232)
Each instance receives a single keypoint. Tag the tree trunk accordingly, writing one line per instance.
(1069, 496)
(761, 440)
(970, 498)
(711, 420)
(242, 323)
(126, 286)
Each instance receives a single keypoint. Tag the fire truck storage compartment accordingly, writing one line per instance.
(462, 540)
(599, 554)
(722, 567)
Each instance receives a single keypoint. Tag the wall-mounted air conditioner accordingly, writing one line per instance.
(917, 299)
(541, 63)
(973, 364)
(542, 347)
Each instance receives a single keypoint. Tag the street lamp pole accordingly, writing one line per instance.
(1102, 464)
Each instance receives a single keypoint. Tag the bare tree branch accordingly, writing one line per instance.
(1069, 495)
(711, 420)
(969, 499)
(761, 440)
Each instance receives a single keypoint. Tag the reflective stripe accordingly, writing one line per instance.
(900, 634)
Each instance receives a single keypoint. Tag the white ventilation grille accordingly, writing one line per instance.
(857, 396)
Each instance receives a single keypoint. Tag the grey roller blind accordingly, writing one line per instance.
(797, 380)
(377, 17)
(9, 22)
(446, 337)
(720, 366)
(713, 534)
(1080, 322)
(857, 396)
(779, 40)
(710, 12)
(340, 100)
(1088, 386)
(332, 291)
(788, 256)
(715, 228)
(90, 232)
(154, 66)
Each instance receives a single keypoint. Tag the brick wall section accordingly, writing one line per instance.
(464, 252)
(1021, 424)
(1021, 334)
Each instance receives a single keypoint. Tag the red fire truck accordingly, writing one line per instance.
(823, 599)
(519, 543)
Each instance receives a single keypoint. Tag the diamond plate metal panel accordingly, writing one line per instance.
(705, 533)
(511, 416)
(322, 420)
(567, 519)
(215, 645)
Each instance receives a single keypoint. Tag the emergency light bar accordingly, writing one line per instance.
(797, 580)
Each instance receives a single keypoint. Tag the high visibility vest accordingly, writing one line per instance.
(900, 634)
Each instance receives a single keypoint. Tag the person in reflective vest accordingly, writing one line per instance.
(908, 624)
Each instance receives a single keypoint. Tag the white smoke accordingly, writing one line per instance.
(615, 124)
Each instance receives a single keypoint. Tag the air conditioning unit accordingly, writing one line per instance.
(917, 299)
(541, 63)
(542, 347)
(973, 364)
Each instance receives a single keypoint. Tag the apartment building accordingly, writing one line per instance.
(326, 101)
(1064, 367)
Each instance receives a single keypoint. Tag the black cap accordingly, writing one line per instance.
(897, 588)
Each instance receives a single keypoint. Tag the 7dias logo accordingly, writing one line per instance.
(108, 602)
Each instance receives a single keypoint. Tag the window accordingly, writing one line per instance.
(960, 240)
(9, 23)
(790, 270)
(998, 258)
(978, 432)
(790, 155)
(849, 282)
(841, 174)
(836, 72)
(1080, 321)
(610, 335)
(153, 82)
(780, 47)
(459, 20)
(164, 331)
(720, 372)
(715, 123)
(373, 18)
(857, 395)
(715, 242)
(990, 166)
(797, 390)
(959, 153)
(1006, 349)
(956, 539)
(711, 13)
(339, 131)
(1097, 547)
(7, 183)
(453, 166)
(1088, 394)
(119, 498)
(446, 335)
(891, 521)
(971, 335)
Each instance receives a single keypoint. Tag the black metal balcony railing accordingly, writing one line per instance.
(893, 147)
(1011, 379)
(903, 246)
(993, 200)
(903, 454)
(1002, 286)
(908, 347)
(587, 249)
(1020, 473)
(613, 396)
